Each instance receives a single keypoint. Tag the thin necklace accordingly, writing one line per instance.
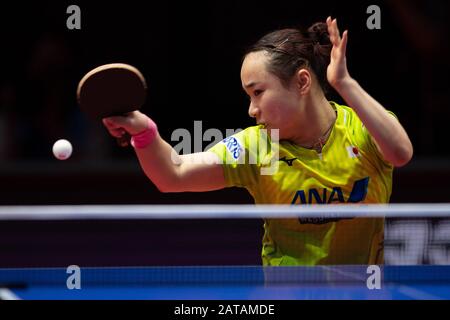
(318, 146)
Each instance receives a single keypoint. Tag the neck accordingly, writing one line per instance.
(316, 123)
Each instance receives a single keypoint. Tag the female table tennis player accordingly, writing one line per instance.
(329, 153)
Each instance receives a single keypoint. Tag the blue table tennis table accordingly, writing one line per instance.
(227, 283)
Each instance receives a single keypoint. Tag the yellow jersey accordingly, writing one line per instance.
(349, 169)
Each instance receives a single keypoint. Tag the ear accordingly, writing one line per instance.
(303, 81)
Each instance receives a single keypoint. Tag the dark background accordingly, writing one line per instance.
(190, 53)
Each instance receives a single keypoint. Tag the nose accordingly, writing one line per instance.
(253, 111)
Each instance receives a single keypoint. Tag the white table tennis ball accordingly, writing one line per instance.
(62, 149)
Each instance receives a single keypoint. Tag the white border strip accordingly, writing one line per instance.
(6, 294)
(123, 212)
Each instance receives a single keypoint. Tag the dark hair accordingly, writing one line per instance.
(292, 49)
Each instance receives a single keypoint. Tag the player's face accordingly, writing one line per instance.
(271, 104)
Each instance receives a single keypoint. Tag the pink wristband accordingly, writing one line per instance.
(144, 138)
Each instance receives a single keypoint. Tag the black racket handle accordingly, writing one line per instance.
(124, 141)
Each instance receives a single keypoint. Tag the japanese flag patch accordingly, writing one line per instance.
(353, 152)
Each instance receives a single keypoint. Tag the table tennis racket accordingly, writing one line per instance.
(112, 90)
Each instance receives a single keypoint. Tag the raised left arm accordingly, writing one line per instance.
(389, 135)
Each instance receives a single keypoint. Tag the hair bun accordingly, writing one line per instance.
(318, 33)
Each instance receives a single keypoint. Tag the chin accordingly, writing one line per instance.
(269, 131)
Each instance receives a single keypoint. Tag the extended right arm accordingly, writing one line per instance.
(169, 171)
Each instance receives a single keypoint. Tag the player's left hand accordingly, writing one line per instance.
(337, 71)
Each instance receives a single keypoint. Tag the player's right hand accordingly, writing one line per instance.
(133, 123)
